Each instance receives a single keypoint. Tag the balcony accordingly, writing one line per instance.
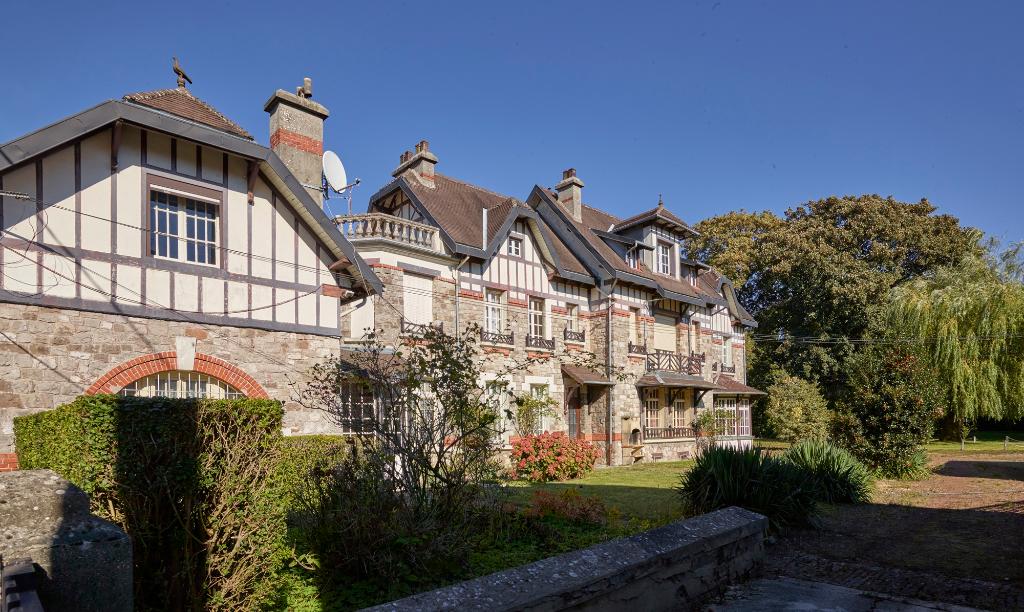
(724, 369)
(409, 328)
(379, 226)
(497, 337)
(674, 362)
(539, 342)
(637, 349)
(574, 336)
(665, 433)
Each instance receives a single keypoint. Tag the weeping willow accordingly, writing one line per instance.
(969, 319)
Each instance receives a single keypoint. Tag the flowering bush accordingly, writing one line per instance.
(551, 456)
(568, 504)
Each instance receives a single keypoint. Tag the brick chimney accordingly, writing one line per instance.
(570, 194)
(418, 165)
(297, 134)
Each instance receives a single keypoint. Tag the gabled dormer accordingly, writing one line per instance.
(656, 236)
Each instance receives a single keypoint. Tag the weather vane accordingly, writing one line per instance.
(182, 77)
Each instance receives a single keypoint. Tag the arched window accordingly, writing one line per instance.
(182, 385)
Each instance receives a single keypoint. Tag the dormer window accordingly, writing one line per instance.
(663, 261)
(631, 259)
(515, 247)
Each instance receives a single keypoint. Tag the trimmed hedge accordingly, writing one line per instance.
(194, 483)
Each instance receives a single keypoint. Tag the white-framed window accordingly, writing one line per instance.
(725, 413)
(679, 413)
(355, 408)
(664, 258)
(635, 335)
(181, 385)
(515, 246)
(631, 258)
(573, 318)
(652, 410)
(494, 311)
(726, 351)
(540, 391)
(183, 228)
(743, 416)
(418, 298)
(537, 318)
(497, 395)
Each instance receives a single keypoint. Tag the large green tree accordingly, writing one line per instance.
(969, 319)
(817, 271)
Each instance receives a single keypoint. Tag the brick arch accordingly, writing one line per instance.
(140, 367)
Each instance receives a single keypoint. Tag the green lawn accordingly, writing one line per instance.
(986, 441)
(643, 491)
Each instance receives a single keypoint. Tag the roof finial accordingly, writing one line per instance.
(182, 77)
(661, 204)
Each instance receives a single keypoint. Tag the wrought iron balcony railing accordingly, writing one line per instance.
(539, 342)
(419, 329)
(637, 349)
(674, 362)
(497, 337)
(574, 336)
(724, 369)
(663, 433)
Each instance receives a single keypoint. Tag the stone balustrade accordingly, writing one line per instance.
(379, 226)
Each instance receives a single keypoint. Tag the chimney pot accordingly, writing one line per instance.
(568, 173)
(307, 87)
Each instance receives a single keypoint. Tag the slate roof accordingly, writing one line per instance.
(458, 208)
(180, 102)
(585, 376)
(657, 213)
(665, 378)
(727, 384)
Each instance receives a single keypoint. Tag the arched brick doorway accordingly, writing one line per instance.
(155, 363)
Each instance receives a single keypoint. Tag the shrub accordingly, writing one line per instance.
(306, 458)
(722, 477)
(552, 456)
(190, 481)
(796, 410)
(837, 475)
(895, 401)
(568, 504)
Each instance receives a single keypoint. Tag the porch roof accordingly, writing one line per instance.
(664, 378)
(727, 384)
(585, 376)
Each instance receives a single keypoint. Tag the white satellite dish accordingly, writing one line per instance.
(334, 172)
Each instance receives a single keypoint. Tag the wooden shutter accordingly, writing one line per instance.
(417, 298)
(665, 333)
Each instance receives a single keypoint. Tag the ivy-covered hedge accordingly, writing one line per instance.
(195, 483)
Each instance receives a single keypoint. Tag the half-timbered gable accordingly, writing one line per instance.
(151, 246)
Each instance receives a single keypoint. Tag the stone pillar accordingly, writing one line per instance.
(82, 562)
(297, 135)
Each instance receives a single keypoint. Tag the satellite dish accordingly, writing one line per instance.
(334, 171)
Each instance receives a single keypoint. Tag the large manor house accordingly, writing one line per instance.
(151, 246)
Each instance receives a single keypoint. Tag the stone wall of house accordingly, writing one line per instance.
(675, 567)
(49, 356)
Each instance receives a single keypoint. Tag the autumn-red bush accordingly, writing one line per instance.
(551, 456)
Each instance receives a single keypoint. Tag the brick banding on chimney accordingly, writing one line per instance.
(296, 140)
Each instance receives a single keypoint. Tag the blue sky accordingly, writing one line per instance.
(718, 104)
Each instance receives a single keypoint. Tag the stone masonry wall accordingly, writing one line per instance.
(675, 567)
(48, 356)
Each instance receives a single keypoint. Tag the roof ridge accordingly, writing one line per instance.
(142, 96)
(477, 187)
